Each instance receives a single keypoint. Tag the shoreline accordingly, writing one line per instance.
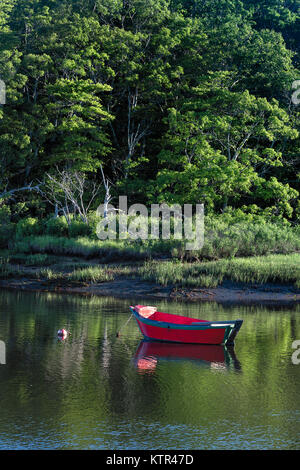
(227, 293)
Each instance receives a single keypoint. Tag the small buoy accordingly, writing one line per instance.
(62, 333)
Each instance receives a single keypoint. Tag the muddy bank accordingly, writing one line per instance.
(228, 292)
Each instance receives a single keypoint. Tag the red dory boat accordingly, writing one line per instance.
(161, 326)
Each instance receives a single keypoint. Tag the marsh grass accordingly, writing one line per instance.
(7, 271)
(261, 270)
(105, 251)
(248, 239)
(49, 274)
(245, 252)
(92, 274)
(222, 241)
(38, 259)
(282, 269)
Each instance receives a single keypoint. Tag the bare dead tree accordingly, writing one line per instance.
(67, 190)
(135, 133)
(108, 197)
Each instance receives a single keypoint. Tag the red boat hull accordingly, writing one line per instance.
(182, 336)
(161, 326)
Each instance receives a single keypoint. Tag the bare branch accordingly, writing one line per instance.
(11, 192)
(107, 198)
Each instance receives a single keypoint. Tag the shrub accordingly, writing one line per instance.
(27, 227)
(5, 214)
(57, 226)
(78, 228)
(94, 220)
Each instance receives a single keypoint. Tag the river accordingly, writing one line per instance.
(96, 391)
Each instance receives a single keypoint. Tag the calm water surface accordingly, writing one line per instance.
(97, 391)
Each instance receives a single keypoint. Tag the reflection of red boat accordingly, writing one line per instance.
(149, 352)
(179, 329)
(201, 352)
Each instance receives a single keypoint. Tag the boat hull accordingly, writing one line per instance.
(177, 329)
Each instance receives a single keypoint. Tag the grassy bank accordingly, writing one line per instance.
(284, 269)
(82, 247)
(259, 269)
(245, 251)
(224, 237)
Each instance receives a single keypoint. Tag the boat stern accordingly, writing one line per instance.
(230, 335)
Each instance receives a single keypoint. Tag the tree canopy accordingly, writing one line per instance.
(180, 100)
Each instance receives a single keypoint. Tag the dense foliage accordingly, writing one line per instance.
(180, 100)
